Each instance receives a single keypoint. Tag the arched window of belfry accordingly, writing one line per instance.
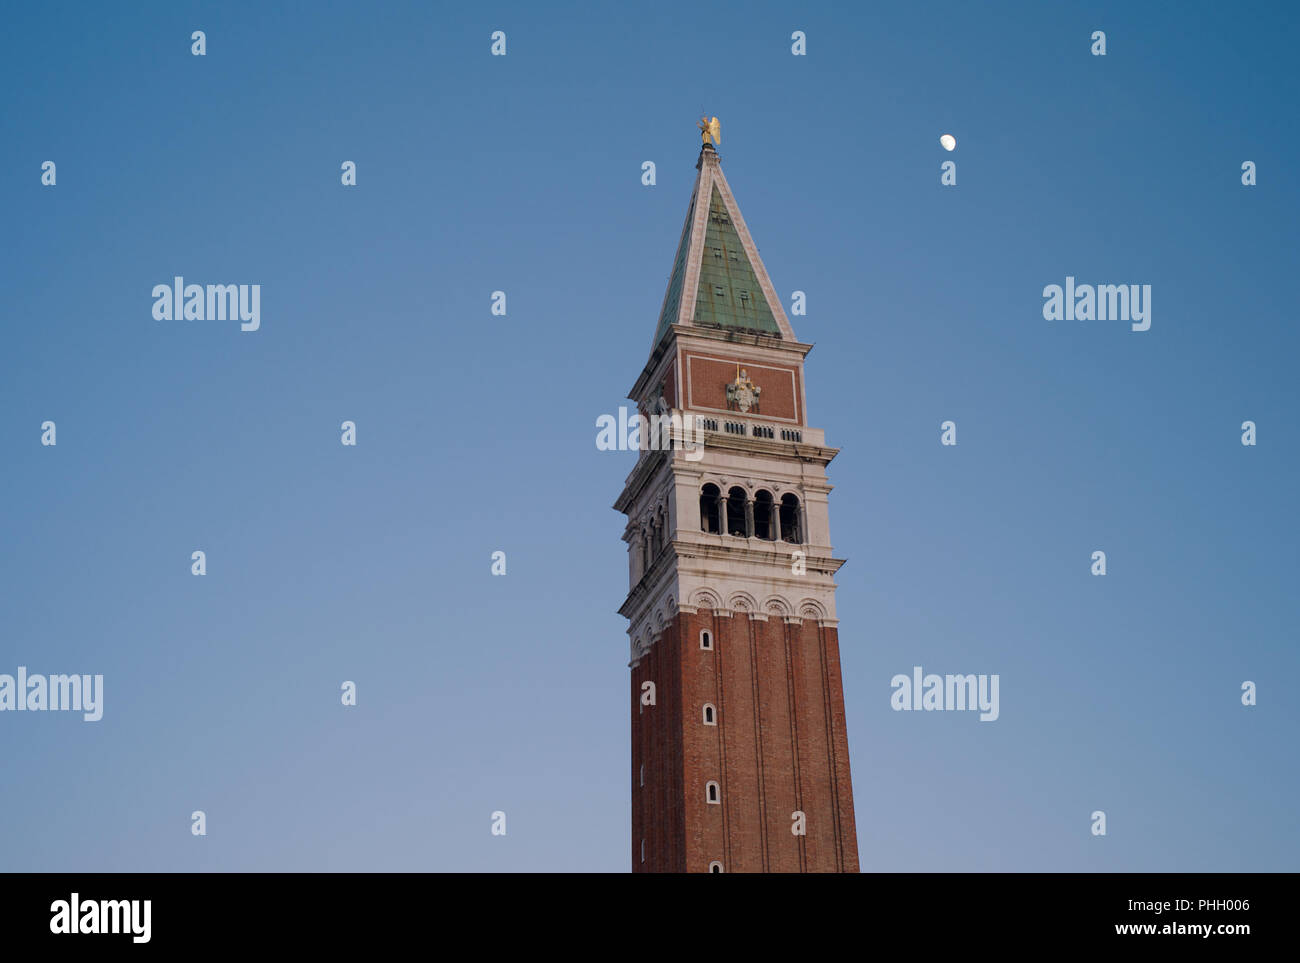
(791, 527)
(764, 516)
(710, 518)
(738, 512)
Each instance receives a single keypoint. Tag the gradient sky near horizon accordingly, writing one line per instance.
(477, 433)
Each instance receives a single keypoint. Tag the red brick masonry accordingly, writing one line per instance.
(780, 745)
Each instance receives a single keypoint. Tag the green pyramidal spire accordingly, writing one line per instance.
(718, 280)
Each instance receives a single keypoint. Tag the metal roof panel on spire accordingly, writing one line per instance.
(729, 294)
(718, 280)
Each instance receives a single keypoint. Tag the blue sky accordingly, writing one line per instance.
(477, 433)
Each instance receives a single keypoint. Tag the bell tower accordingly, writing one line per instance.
(740, 757)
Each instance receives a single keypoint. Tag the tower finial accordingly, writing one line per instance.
(710, 128)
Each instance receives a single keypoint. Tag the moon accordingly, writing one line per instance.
(948, 141)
